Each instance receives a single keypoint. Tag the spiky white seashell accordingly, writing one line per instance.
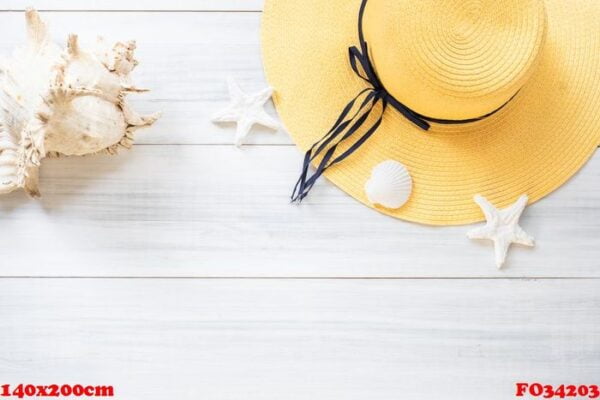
(62, 102)
(390, 185)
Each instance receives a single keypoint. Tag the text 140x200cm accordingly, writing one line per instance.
(28, 390)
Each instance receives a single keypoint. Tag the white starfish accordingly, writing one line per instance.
(502, 227)
(246, 111)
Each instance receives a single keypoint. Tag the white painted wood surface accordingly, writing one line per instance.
(298, 339)
(110, 277)
(221, 211)
(139, 5)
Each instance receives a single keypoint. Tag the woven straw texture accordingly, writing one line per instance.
(462, 56)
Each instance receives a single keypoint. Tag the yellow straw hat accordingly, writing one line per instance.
(492, 97)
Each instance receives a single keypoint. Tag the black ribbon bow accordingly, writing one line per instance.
(356, 113)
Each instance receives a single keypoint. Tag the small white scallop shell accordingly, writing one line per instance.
(390, 185)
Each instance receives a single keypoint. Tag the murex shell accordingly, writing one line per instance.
(56, 101)
(390, 185)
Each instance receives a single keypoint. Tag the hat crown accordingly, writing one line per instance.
(454, 59)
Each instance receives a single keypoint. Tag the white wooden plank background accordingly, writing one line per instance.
(220, 211)
(297, 339)
(140, 5)
(110, 277)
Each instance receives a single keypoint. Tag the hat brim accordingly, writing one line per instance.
(532, 146)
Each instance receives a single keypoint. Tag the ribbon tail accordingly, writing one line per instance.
(346, 129)
(338, 127)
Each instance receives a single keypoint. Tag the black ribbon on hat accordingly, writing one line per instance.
(356, 113)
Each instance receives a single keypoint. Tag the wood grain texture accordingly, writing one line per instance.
(185, 59)
(220, 211)
(184, 206)
(139, 5)
(222, 339)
